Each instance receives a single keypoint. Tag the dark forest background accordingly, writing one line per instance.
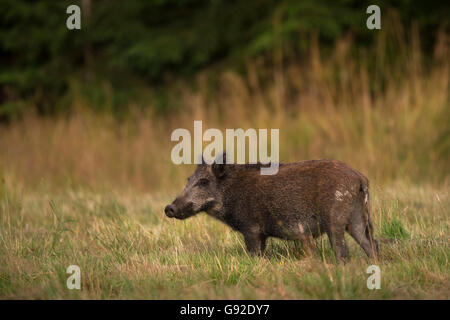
(136, 47)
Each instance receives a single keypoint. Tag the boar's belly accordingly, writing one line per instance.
(294, 229)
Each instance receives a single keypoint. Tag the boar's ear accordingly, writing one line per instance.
(222, 159)
(218, 167)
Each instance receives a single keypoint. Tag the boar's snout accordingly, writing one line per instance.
(170, 211)
(179, 210)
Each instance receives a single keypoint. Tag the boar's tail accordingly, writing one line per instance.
(364, 188)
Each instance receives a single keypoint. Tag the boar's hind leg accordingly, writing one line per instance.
(255, 243)
(357, 230)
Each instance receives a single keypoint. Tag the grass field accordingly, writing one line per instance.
(126, 248)
(88, 190)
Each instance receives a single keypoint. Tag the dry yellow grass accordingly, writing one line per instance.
(126, 248)
(89, 190)
(323, 108)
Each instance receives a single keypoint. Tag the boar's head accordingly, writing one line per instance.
(203, 192)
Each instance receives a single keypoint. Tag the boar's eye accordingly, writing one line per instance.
(203, 182)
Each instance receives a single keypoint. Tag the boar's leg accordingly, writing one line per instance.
(358, 231)
(308, 245)
(263, 243)
(255, 243)
(337, 241)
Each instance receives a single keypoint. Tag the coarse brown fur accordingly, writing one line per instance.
(302, 201)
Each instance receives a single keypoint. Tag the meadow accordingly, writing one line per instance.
(89, 190)
(127, 249)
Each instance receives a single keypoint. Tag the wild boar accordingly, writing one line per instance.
(302, 201)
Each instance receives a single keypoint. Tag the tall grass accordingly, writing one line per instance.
(89, 190)
(127, 249)
(383, 110)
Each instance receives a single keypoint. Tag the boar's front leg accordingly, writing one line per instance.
(255, 243)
